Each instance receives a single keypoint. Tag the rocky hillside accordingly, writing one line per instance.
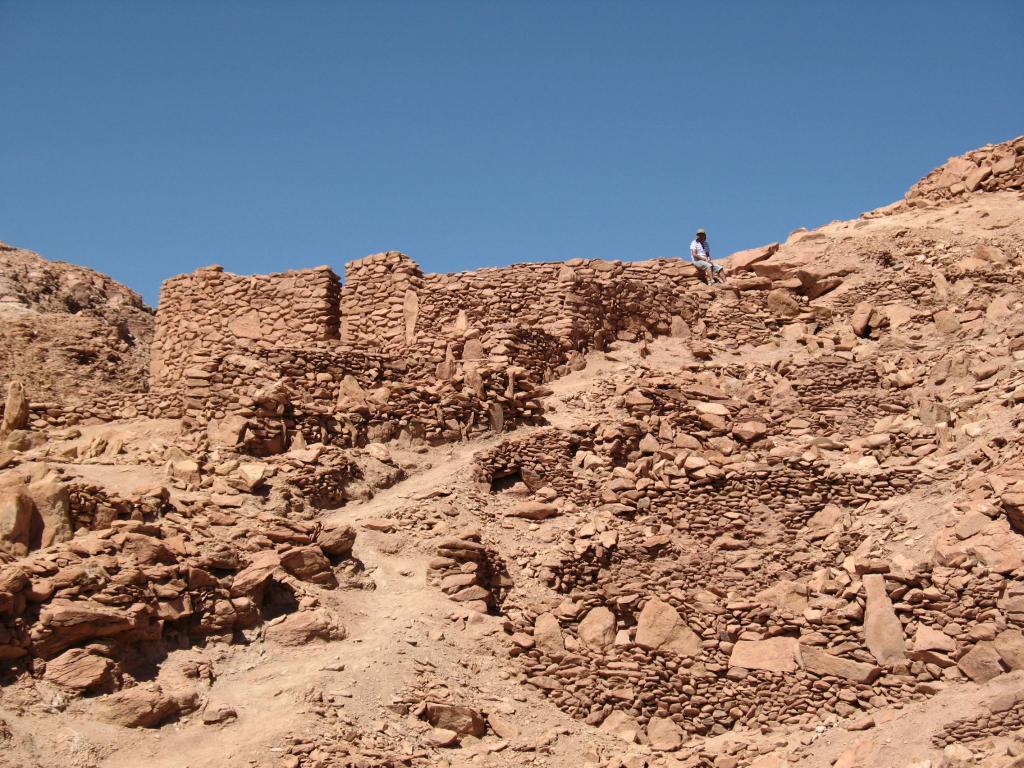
(785, 532)
(989, 169)
(75, 334)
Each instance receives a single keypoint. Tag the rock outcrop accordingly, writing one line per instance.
(78, 339)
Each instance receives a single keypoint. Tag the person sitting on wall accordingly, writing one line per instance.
(700, 254)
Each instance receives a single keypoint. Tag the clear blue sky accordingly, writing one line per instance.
(146, 138)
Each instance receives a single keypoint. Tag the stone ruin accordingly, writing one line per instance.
(393, 353)
(759, 543)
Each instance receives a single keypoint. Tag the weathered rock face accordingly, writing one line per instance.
(82, 671)
(77, 340)
(51, 523)
(66, 597)
(15, 520)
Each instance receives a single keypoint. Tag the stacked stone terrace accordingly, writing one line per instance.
(392, 352)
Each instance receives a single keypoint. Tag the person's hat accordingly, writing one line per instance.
(701, 232)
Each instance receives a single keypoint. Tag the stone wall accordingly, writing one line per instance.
(210, 313)
(394, 351)
(97, 410)
(380, 299)
(535, 316)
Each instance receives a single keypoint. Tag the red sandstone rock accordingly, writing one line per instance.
(1010, 646)
(336, 539)
(776, 654)
(664, 735)
(660, 627)
(620, 724)
(81, 670)
(981, 663)
(547, 635)
(309, 564)
(464, 721)
(823, 663)
(303, 627)
(883, 632)
(139, 707)
(534, 510)
(16, 412)
(597, 629)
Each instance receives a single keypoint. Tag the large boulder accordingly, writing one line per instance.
(742, 261)
(16, 410)
(336, 539)
(597, 630)
(781, 303)
(228, 432)
(1010, 645)
(982, 662)
(620, 724)
(663, 734)
(928, 639)
(15, 519)
(821, 662)
(1013, 506)
(547, 635)
(309, 564)
(140, 707)
(776, 654)
(465, 721)
(749, 431)
(303, 627)
(861, 318)
(660, 627)
(251, 580)
(79, 670)
(51, 523)
(533, 510)
(64, 623)
(815, 284)
(883, 631)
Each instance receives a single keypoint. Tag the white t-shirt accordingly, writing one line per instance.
(703, 249)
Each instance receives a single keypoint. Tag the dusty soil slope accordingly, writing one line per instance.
(73, 332)
(791, 534)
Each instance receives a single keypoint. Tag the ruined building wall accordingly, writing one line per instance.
(394, 351)
(210, 313)
(389, 305)
(561, 298)
(380, 299)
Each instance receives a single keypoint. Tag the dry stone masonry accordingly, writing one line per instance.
(393, 353)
